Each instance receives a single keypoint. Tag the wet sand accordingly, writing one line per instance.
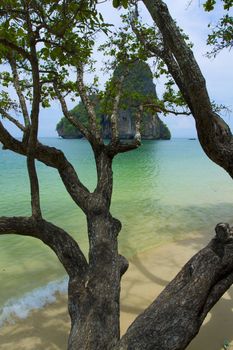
(149, 272)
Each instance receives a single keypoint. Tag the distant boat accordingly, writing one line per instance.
(192, 138)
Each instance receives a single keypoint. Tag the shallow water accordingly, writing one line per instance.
(163, 191)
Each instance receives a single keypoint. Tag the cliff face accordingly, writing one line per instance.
(138, 82)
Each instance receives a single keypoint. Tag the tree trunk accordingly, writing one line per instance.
(94, 304)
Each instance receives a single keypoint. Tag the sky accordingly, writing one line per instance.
(218, 72)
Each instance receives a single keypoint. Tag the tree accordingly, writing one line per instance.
(47, 45)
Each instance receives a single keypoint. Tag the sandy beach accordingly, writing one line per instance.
(148, 274)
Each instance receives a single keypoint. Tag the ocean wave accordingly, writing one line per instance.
(36, 299)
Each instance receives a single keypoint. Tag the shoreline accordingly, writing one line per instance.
(149, 272)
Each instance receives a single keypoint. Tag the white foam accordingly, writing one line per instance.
(36, 299)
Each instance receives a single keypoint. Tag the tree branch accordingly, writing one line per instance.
(64, 246)
(113, 150)
(181, 308)
(54, 158)
(149, 45)
(177, 75)
(74, 121)
(5, 42)
(165, 54)
(213, 133)
(138, 118)
(115, 111)
(16, 82)
(119, 147)
(159, 109)
(88, 104)
(34, 117)
(12, 119)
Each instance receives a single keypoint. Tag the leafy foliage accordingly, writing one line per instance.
(222, 33)
(118, 3)
(63, 33)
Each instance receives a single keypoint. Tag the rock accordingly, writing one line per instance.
(139, 82)
(223, 232)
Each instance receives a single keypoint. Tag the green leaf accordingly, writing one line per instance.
(116, 3)
(209, 5)
(228, 4)
(124, 3)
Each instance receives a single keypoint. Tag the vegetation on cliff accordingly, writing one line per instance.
(137, 85)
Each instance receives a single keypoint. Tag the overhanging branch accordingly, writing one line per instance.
(214, 134)
(12, 119)
(115, 110)
(88, 105)
(53, 158)
(10, 45)
(74, 121)
(158, 109)
(18, 90)
(138, 119)
(182, 306)
(64, 246)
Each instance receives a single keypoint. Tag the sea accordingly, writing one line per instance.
(163, 191)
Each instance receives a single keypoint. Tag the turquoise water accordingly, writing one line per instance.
(163, 191)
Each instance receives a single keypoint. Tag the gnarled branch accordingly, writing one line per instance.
(181, 308)
(12, 119)
(149, 45)
(217, 142)
(74, 121)
(64, 246)
(54, 158)
(115, 111)
(18, 90)
(122, 147)
(159, 109)
(10, 45)
(138, 119)
(88, 105)
(152, 50)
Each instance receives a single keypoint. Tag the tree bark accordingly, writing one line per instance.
(52, 157)
(94, 310)
(63, 245)
(175, 317)
(213, 133)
